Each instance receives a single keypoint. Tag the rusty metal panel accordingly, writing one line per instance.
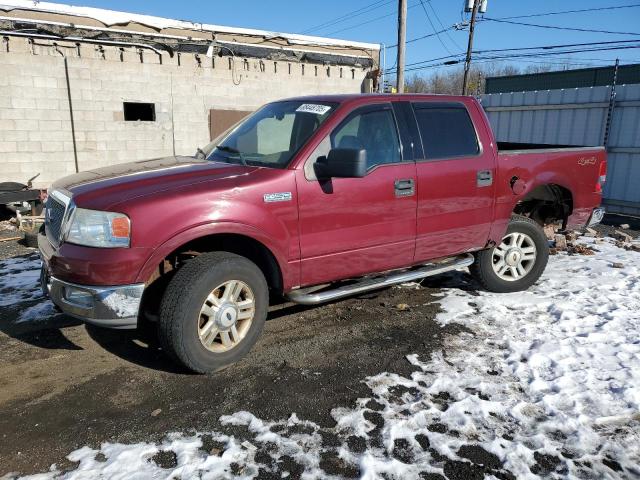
(577, 116)
(220, 120)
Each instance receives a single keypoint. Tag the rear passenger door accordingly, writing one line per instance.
(455, 181)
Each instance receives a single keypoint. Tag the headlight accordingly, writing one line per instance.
(92, 228)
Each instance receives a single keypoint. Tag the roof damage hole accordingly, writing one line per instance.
(138, 111)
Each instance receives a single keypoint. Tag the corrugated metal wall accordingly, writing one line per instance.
(578, 116)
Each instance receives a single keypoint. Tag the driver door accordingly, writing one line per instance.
(354, 226)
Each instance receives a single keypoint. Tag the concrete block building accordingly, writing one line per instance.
(82, 88)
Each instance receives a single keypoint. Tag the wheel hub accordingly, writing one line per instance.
(513, 257)
(226, 316)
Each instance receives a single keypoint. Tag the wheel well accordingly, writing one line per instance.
(546, 204)
(224, 242)
(232, 243)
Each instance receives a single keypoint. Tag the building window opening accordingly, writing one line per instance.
(139, 112)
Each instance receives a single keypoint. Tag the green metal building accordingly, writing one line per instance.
(583, 77)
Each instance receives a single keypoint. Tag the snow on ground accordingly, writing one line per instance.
(544, 383)
(19, 281)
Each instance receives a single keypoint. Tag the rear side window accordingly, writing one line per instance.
(446, 130)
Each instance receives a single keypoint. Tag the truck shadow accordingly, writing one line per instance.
(142, 347)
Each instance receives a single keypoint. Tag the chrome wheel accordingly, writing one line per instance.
(226, 316)
(514, 258)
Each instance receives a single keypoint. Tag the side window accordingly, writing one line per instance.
(446, 130)
(373, 130)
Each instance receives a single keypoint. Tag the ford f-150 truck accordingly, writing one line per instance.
(308, 199)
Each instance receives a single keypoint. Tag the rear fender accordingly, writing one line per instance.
(507, 199)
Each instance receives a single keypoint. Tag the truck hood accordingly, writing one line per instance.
(102, 187)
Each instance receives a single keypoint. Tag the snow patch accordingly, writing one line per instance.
(19, 280)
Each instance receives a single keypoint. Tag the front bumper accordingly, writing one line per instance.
(113, 307)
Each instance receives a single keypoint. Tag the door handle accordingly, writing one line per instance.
(484, 178)
(404, 187)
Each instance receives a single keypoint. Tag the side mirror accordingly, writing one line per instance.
(342, 163)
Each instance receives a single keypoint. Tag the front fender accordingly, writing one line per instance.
(290, 274)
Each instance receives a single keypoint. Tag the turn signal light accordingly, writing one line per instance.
(120, 227)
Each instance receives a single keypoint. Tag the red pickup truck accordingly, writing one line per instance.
(308, 199)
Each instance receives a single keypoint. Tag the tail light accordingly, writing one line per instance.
(602, 176)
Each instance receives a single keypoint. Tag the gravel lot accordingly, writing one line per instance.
(64, 386)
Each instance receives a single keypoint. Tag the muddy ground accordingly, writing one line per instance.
(64, 385)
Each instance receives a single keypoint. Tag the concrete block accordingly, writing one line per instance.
(21, 81)
(53, 146)
(23, 103)
(49, 125)
(28, 125)
(46, 82)
(8, 147)
(46, 136)
(52, 104)
(7, 124)
(31, 147)
(13, 136)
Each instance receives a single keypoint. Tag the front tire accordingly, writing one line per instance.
(517, 262)
(213, 311)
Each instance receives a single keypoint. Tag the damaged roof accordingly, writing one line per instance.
(112, 18)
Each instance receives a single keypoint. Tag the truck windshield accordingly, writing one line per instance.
(271, 136)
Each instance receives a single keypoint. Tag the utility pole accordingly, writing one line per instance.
(402, 36)
(467, 62)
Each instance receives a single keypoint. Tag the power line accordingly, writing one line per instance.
(442, 25)
(554, 27)
(348, 16)
(421, 38)
(593, 46)
(517, 49)
(571, 11)
(510, 57)
(392, 14)
(433, 27)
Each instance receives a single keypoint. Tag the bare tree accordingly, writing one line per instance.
(449, 81)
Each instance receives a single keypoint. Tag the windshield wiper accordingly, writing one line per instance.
(225, 148)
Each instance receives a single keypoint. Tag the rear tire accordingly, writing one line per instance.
(213, 311)
(517, 262)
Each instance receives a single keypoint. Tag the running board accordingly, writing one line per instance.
(301, 296)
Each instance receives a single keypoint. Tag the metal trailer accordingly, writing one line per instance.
(579, 116)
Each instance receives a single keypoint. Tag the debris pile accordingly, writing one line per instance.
(8, 225)
(567, 241)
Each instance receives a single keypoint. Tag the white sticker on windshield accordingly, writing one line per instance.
(313, 108)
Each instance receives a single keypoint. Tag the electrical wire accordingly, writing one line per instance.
(516, 56)
(420, 38)
(598, 9)
(555, 27)
(392, 14)
(442, 25)
(347, 16)
(434, 28)
(542, 47)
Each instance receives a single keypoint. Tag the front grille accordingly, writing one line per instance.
(53, 219)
